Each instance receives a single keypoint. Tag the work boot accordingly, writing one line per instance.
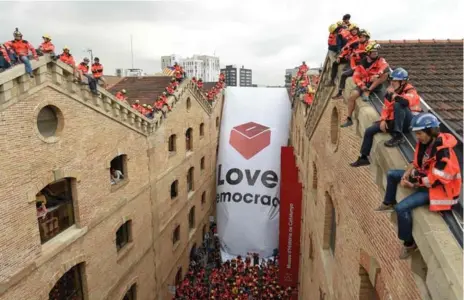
(384, 208)
(360, 162)
(407, 251)
(394, 141)
(348, 123)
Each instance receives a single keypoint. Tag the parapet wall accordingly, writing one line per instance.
(15, 85)
(437, 267)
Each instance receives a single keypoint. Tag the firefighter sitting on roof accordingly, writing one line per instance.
(354, 52)
(97, 72)
(343, 57)
(309, 95)
(47, 47)
(200, 83)
(370, 77)
(400, 103)
(121, 95)
(21, 48)
(67, 57)
(434, 172)
(7, 59)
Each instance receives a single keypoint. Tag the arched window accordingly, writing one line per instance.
(131, 294)
(202, 129)
(202, 163)
(118, 169)
(176, 235)
(188, 103)
(172, 143)
(124, 235)
(69, 286)
(330, 224)
(174, 189)
(190, 180)
(191, 218)
(203, 198)
(366, 289)
(178, 279)
(217, 122)
(334, 127)
(189, 139)
(55, 208)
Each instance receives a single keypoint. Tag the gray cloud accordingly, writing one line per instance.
(265, 35)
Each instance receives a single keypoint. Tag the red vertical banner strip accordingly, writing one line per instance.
(290, 220)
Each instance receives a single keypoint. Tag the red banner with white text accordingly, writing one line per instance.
(290, 220)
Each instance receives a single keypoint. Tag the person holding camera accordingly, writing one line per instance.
(434, 172)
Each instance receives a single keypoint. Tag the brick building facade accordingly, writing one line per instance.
(348, 251)
(112, 239)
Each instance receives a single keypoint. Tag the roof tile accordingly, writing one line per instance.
(435, 68)
(146, 88)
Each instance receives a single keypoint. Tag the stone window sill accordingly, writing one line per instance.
(59, 243)
(124, 251)
(190, 195)
(117, 186)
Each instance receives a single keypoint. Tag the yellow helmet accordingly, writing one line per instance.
(310, 90)
(46, 36)
(372, 46)
(332, 28)
(339, 23)
(353, 26)
(123, 91)
(66, 48)
(365, 33)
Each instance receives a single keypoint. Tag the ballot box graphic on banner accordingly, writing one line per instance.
(254, 127)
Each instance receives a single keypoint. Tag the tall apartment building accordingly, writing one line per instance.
(170, 60)
(238, 76)
(201, 66)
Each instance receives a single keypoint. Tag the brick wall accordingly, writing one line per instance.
(354, 194)
(89, 140)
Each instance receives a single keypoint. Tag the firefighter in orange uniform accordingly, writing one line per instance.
(47, 46)
(200, 83)
(370, 77)
(435, 172)
(21, 49)
(121, 95)
(97, 71)
(353, 52)
(343, 57)
(401, 103)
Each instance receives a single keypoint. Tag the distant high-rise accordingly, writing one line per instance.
(201, 66)
(238, 76)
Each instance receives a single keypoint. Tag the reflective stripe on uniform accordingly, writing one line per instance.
(443, 202)
(445, 175)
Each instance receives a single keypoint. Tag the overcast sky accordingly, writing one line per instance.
(267, 36)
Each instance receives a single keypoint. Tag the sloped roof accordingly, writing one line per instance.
(208, 85)
(146, 88)
(436, 69)
(112, 80)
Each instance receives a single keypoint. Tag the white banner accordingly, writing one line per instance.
(255, 124)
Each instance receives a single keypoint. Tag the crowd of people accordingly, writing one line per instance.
(249, 278)
(434, 173)
(304, 84)
(20, 51)
(162, 101)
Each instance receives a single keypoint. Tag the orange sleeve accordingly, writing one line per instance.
(412, 97)
(357, 77)
(34, 53)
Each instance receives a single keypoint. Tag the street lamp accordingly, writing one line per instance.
(91, 54)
